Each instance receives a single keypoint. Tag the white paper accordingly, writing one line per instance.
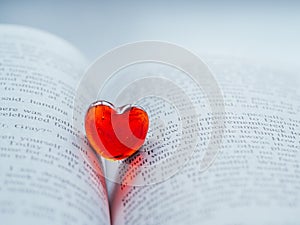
(43, 177)
(255, 178)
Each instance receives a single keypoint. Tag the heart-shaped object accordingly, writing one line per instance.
(115, 133)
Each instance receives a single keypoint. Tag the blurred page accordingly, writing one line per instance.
(44, 178)
(255, 177)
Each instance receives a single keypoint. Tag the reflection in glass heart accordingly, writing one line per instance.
(115, 133)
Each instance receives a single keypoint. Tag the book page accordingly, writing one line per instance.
(44, 178)
(255, 178)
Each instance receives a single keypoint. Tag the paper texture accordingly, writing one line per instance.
(255, 177)
(44, 179)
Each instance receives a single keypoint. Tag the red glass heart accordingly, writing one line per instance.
(115, 133)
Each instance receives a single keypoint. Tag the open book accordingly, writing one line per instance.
(255, 178)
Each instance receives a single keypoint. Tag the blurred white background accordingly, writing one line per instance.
(267, 31)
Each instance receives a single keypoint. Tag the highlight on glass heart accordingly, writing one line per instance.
(116, 133)
(148, 120)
